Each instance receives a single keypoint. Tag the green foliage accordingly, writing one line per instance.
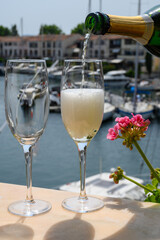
(49, 62)
(108, 67)
(80, 28)
(155, 196)
(14, 31)
(2, 61)
(130, 73)
(4, 31)
(50, 29)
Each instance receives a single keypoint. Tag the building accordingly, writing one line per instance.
(62, 46)
(41, 46)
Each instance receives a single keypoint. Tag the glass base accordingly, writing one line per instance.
(78, 205)
(28, 209)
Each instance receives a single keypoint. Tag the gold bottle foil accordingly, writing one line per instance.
(139, 28)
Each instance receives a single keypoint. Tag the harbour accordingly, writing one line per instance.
(55, 155)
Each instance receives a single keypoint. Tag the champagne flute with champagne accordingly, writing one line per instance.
(82, 106)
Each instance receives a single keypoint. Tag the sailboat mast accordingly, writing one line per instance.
(99, 38)
(136, 65)
(89, 6)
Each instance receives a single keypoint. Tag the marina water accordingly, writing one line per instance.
(56, 162)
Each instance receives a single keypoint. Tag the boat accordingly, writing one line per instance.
(27, 95)
(109, 110)
(142, 107)
(116, 79)
(2, 71)
(143, 86)
(55, 75)
(55, 71)
(55, 105)
(100, 184)
(156, 105)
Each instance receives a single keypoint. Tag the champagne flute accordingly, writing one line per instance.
(82, 106)
(26, 108)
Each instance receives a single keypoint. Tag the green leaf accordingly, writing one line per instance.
(150, 198)
(150, 187)
(155, 182)
(157, 195)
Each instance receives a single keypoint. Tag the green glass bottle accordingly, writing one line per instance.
(145, 28)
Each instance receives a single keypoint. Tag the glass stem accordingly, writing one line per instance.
(82, 147)
(28, 161)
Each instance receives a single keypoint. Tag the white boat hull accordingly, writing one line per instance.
(102, 185)
(109, 110)
(143, 108)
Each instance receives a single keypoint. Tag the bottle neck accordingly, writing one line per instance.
(139, 28)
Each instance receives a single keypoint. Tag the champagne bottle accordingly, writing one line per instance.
(143, 28)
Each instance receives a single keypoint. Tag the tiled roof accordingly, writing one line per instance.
(107, 36)
(49, 37)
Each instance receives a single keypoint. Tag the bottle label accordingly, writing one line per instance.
(139, 28)
(148, 31)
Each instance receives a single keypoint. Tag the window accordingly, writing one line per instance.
(48, 44)
(59, 44)
(96, 53)
(90, 53)
(33, 45)
(49, 53)
(129, 41)
(15, 52)
(90, 44)
(102, 53)
(102, 42)
(35, 53)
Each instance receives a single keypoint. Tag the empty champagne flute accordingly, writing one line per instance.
(26, 108)
(82, 106)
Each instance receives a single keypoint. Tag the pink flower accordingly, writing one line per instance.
(123, 122)
(131, 129)
(113, 132)
(138, 121)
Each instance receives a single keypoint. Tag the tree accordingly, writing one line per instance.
(14, 31)
(4, 31)
(80, 28)
(50, 29)
(149, 63)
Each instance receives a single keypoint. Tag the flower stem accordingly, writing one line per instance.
(138, 184)
(146, 160)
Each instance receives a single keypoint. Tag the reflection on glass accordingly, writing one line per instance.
(27, 107)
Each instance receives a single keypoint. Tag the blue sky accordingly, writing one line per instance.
(64, 13)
